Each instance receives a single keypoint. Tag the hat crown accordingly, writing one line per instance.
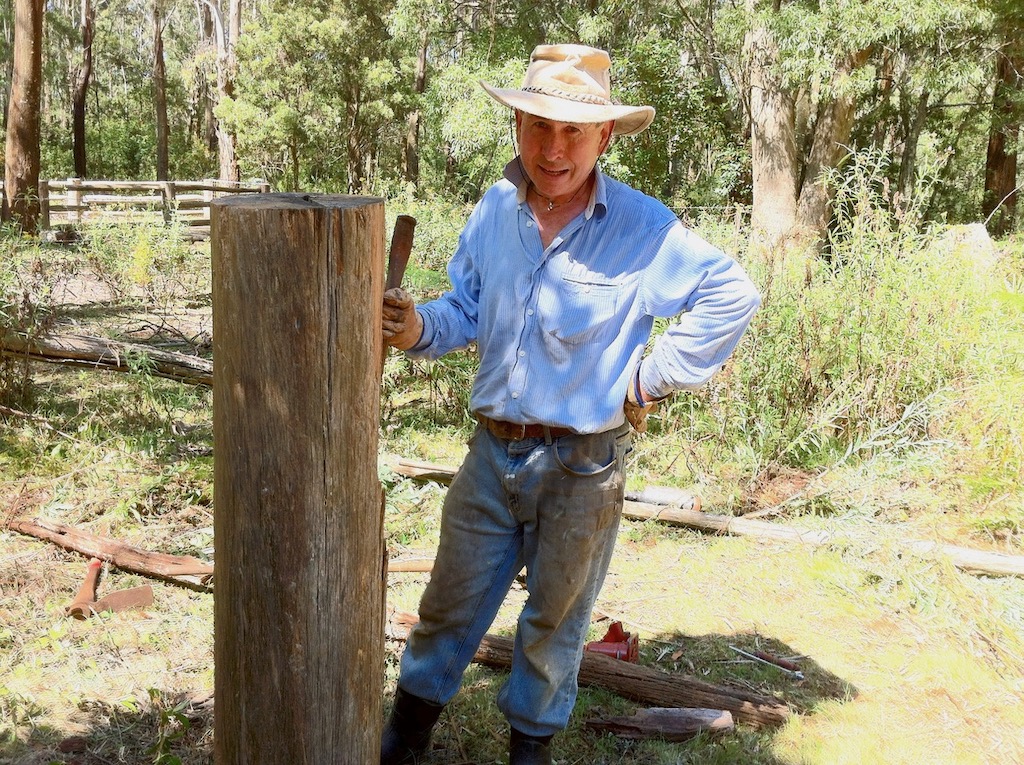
(574, 71)
(572, 83)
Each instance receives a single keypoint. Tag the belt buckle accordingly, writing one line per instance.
(522, 432)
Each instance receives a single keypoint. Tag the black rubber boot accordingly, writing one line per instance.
(406, 736)
(528, 750)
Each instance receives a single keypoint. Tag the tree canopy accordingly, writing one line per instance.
(758, 102)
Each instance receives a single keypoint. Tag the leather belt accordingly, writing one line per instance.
(513, 431)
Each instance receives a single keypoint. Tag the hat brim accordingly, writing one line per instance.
(629, 120)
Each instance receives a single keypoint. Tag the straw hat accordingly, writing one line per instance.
(571, 83)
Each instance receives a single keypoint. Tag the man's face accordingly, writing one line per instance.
(559, 156)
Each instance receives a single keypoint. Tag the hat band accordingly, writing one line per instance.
(586, 98)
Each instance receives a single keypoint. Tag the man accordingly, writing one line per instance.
(558, 277)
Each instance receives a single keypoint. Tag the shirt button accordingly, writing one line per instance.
(515, 395)
(522, 353)
(587, 288)
(529, 224)
(529, 312)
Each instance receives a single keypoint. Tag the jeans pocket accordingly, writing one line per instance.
(586, 456)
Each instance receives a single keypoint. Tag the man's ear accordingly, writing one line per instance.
(607, 129)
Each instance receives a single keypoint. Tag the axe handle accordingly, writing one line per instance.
(398, 259)
(81, 606)
(401, 248)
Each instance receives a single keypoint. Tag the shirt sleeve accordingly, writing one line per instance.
(450, 322)
(715, 301)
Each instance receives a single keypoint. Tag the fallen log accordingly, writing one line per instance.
(664, 723)
(722, 524)
(964, 558)
(419, 565)
(178, 569)
(421, 471)
(100, 353)
(639, 683)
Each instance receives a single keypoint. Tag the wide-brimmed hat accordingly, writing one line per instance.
(571, 83)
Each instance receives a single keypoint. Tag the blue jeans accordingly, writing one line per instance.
(553, 507)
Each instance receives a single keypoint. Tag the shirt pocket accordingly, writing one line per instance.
(580, 309)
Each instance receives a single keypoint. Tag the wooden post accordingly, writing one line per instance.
(299, 591)
(44, 205)
(168, 200)
(74, 200)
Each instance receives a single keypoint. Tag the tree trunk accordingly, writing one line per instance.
(160, 94)
(829, 144)
(999, 205)
(774, 158)
(227, 38)
(412, 128)
(206, 128)
(883, 98)
(100, 353)
(81, 91)
(908, 162)
(299, 598)
(354, 168)
(21, 161)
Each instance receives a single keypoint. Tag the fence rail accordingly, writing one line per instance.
(72, 202)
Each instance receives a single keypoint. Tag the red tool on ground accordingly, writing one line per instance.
(616, 643)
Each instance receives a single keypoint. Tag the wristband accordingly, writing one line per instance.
(637, 393)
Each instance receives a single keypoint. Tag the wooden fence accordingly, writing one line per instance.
(72, 202)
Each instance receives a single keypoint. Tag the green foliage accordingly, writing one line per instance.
(475, 134)
(315, 98)
(438, 225)
(24, 290)
(687, 157)
(135, 259)
(848, 355)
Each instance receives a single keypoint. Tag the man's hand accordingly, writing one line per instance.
(402, 325)
(637, 415)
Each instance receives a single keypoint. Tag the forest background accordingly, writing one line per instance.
(757, 101)
(858, 158)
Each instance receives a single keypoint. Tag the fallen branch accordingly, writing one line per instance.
(100, 353)
(644, 684)
(178, 569)
(964, 558)
(664, 723)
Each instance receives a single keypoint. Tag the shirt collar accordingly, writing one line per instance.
(598, 195)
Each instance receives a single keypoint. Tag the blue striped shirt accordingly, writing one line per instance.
(560, 331)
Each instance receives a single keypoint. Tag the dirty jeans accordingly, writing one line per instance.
(553, 507)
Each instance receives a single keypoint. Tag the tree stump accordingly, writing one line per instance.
(299, 596)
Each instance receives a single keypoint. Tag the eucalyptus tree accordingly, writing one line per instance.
(82, 77)
(316, 94)
(21, 150)
(999, 204)
(810, 66)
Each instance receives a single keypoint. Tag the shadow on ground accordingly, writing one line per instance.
(175, 729)
(170, 730)
(472, 731)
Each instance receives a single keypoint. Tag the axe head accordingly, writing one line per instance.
(122, 600)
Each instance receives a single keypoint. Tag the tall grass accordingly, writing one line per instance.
(856, 349)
